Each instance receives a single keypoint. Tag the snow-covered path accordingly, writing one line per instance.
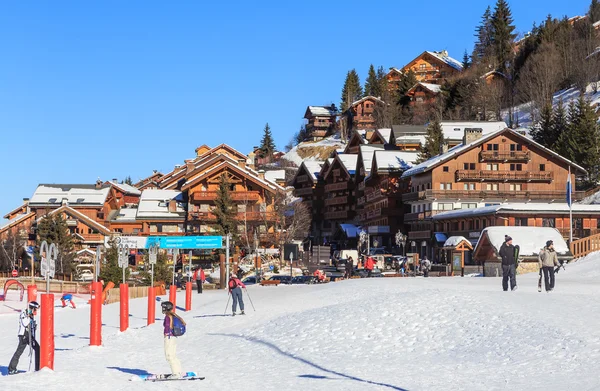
(369, 334)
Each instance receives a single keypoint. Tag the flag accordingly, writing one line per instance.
(569, 189)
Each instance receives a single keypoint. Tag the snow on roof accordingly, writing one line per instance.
(366, 153)
(155, 203)
(125, 188)
(16, 219)
(529, 239)
(455, 130)
(350, 230)
(53, 194)
(275, 175)
(322, 111)
(435, 88)
(405, 130)
(427, 164)
(368, 97)
(411, 139)
(313, 167)
(559, 208)
(126, 214)
(385, 134)
(394, 160)
(453, 241)
(349, 161)
(443, 56)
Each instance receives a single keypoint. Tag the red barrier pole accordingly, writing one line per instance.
(151, 305)
(96, 315)
(188, 296)
(31, 293)
(47, 331)
(173, 296)
(124, 292)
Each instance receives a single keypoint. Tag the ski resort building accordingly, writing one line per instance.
(434, 67)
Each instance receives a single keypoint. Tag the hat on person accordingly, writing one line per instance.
(549, 243)
(507, 238)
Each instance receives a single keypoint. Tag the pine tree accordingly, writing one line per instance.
(372, 85)
(110, 270)
(128, 180)
(542, 131)
(407, 81)
(267, 144)
(465, 61)
(352, 90)
(560, 126)
(54, 229)
(162, 271)
(382, 81)
(434, 141)
(483, 33)
(224, 208)
(502, 34)
(594, 11)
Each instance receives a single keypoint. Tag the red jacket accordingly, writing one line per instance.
(201, 277)
(369, 264)
(237, 280)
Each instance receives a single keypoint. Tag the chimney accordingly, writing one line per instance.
(444, 147)
(177, 166)
(26, 204)
(65, 201)
(115, 180)
(444, 53)
(242, 163)
(172, 206)
(472, 134)
(154, 171)
(189, 166)
(98, 184)
(261, 174)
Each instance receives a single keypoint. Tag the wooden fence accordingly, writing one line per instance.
(582, 247)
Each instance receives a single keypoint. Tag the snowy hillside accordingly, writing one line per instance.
(367, 334)
(315, 150)
(523, 112)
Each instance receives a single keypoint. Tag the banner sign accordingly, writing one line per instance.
(186, 242)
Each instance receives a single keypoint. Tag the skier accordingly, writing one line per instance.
(26, 337)
(547, 260)
(170, 340)
(425, 266)
(369, 265)
(507, 252)
(200, 278)
(235, 290)
(67, 297)
(349, 267)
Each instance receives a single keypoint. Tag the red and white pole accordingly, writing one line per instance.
(173, 296)
(31, 293)
(188, 295)
(151, 305)
(47, 331)
(124, 292)
(96, 315)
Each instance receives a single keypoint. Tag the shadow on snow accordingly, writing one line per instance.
(131, 371)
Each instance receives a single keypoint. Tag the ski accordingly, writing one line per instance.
(540, 282)
(167, 377)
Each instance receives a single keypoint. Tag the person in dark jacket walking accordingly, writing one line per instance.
(548, 259)
(349, 267)
(509, 267)
(26, 335)
(235, 289)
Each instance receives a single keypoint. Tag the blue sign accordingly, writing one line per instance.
(271, 267)
(186, 242)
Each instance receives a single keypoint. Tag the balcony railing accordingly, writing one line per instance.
(491, 175)
(209, 216)
(201, 196)
(93, 237)
(361, 185)
(343, 214)
(304, 191)
(336, 186)
(496, 156)
(421, 215)
(490, 195)
(419, 235)
(360, 200)
(302, 178)
(256, 216)
(336, 201)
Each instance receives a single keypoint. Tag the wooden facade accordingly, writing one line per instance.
(364, 114)
(339, 191)
(433, 67)
(308, 185)
(321, 121)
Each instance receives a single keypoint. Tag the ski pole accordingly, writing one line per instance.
(31, 328)
(250, 299)
(227, 305)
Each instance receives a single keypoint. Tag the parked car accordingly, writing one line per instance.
(85, 275)
(304, 280)
(250, 280)
(283, 279)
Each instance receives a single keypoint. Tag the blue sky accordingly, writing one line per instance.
(109, 89)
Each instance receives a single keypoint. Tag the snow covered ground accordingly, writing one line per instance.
(369, 334)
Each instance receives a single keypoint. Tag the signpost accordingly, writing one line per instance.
(15, 273)
(124, 288)
(152, 257)
(48, 263)
(291, 267)
(97, 267)
(48, 269)
(123, 259)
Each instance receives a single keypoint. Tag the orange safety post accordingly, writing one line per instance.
(31, 293)
(188, 295)
(96, 314)
(173, 296)
(151, 305)
(47, 331)
(124, 291)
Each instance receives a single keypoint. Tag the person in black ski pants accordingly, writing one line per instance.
(507, 252)
(26, 337)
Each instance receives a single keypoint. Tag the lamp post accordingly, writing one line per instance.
(401, 240)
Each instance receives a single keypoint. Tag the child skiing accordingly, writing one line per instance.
(170, 339)
(26, 335)
(67, 297)
(235, 290)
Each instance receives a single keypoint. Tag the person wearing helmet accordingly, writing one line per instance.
(235, 289)
(170, 341)
(26, 337)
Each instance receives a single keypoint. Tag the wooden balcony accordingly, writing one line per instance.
(342, 214)
(361, 185)
(419, 234)
(304, 191)
(491, 195)
(203, 196)
(512, 156)
(336, 186)
(204, 216)
(421, 215)
(360, 200)
(503, 176)
(336, 201)
(92, 238)
(374, 195)
(256, 216)
(302, 178)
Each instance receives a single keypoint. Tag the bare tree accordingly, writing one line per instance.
(12, 249)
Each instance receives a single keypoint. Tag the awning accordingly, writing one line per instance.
(440, 237)
(350, 230)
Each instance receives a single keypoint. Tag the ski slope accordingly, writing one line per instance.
(369, 334)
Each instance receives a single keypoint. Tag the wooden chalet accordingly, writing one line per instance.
(434, 67)
(393, 78)
(363, 170)
(339, 202)
(309, 186)
(150, 182)
(321, 121)
(423, 93)
(358, 138)
(500, 167)
(363, 112)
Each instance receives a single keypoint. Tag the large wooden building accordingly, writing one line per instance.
(321, 121)
(434, 67)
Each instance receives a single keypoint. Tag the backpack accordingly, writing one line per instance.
(178, 326)
(233, 284)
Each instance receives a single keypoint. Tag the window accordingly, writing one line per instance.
(477, 224)
(469, 205)
(516, 167)
(548, 222)
(542, 167)
(468, 166)
(492, 147)
(483, 223)
(445, 168)
(470, 225)
(450, 206)
(492, 167)
(468, 186)
(455, 226)
(521, 221)
(515, 187)
(491, 186)
(516, 147)
(423, 67)
(462, 225)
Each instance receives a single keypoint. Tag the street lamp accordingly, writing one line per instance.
(401, 240)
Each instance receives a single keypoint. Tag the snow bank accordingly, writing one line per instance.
(331, 141)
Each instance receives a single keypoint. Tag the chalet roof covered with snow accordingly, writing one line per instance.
(444, 57)
(320, 111)
(313, 168)
(366, 154)
(4, 224)
(390, 160)
(155, 204)
(126, 214)
(455, 130)
(76, 195)
(349, 161)
(529, 239)
(385, 134)
(368, 97)
(516, 208)
(125, 188)
(435, 88)
(275, 175)
(457, 150)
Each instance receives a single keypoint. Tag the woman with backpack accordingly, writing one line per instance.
(173, 326)
(235, 290)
